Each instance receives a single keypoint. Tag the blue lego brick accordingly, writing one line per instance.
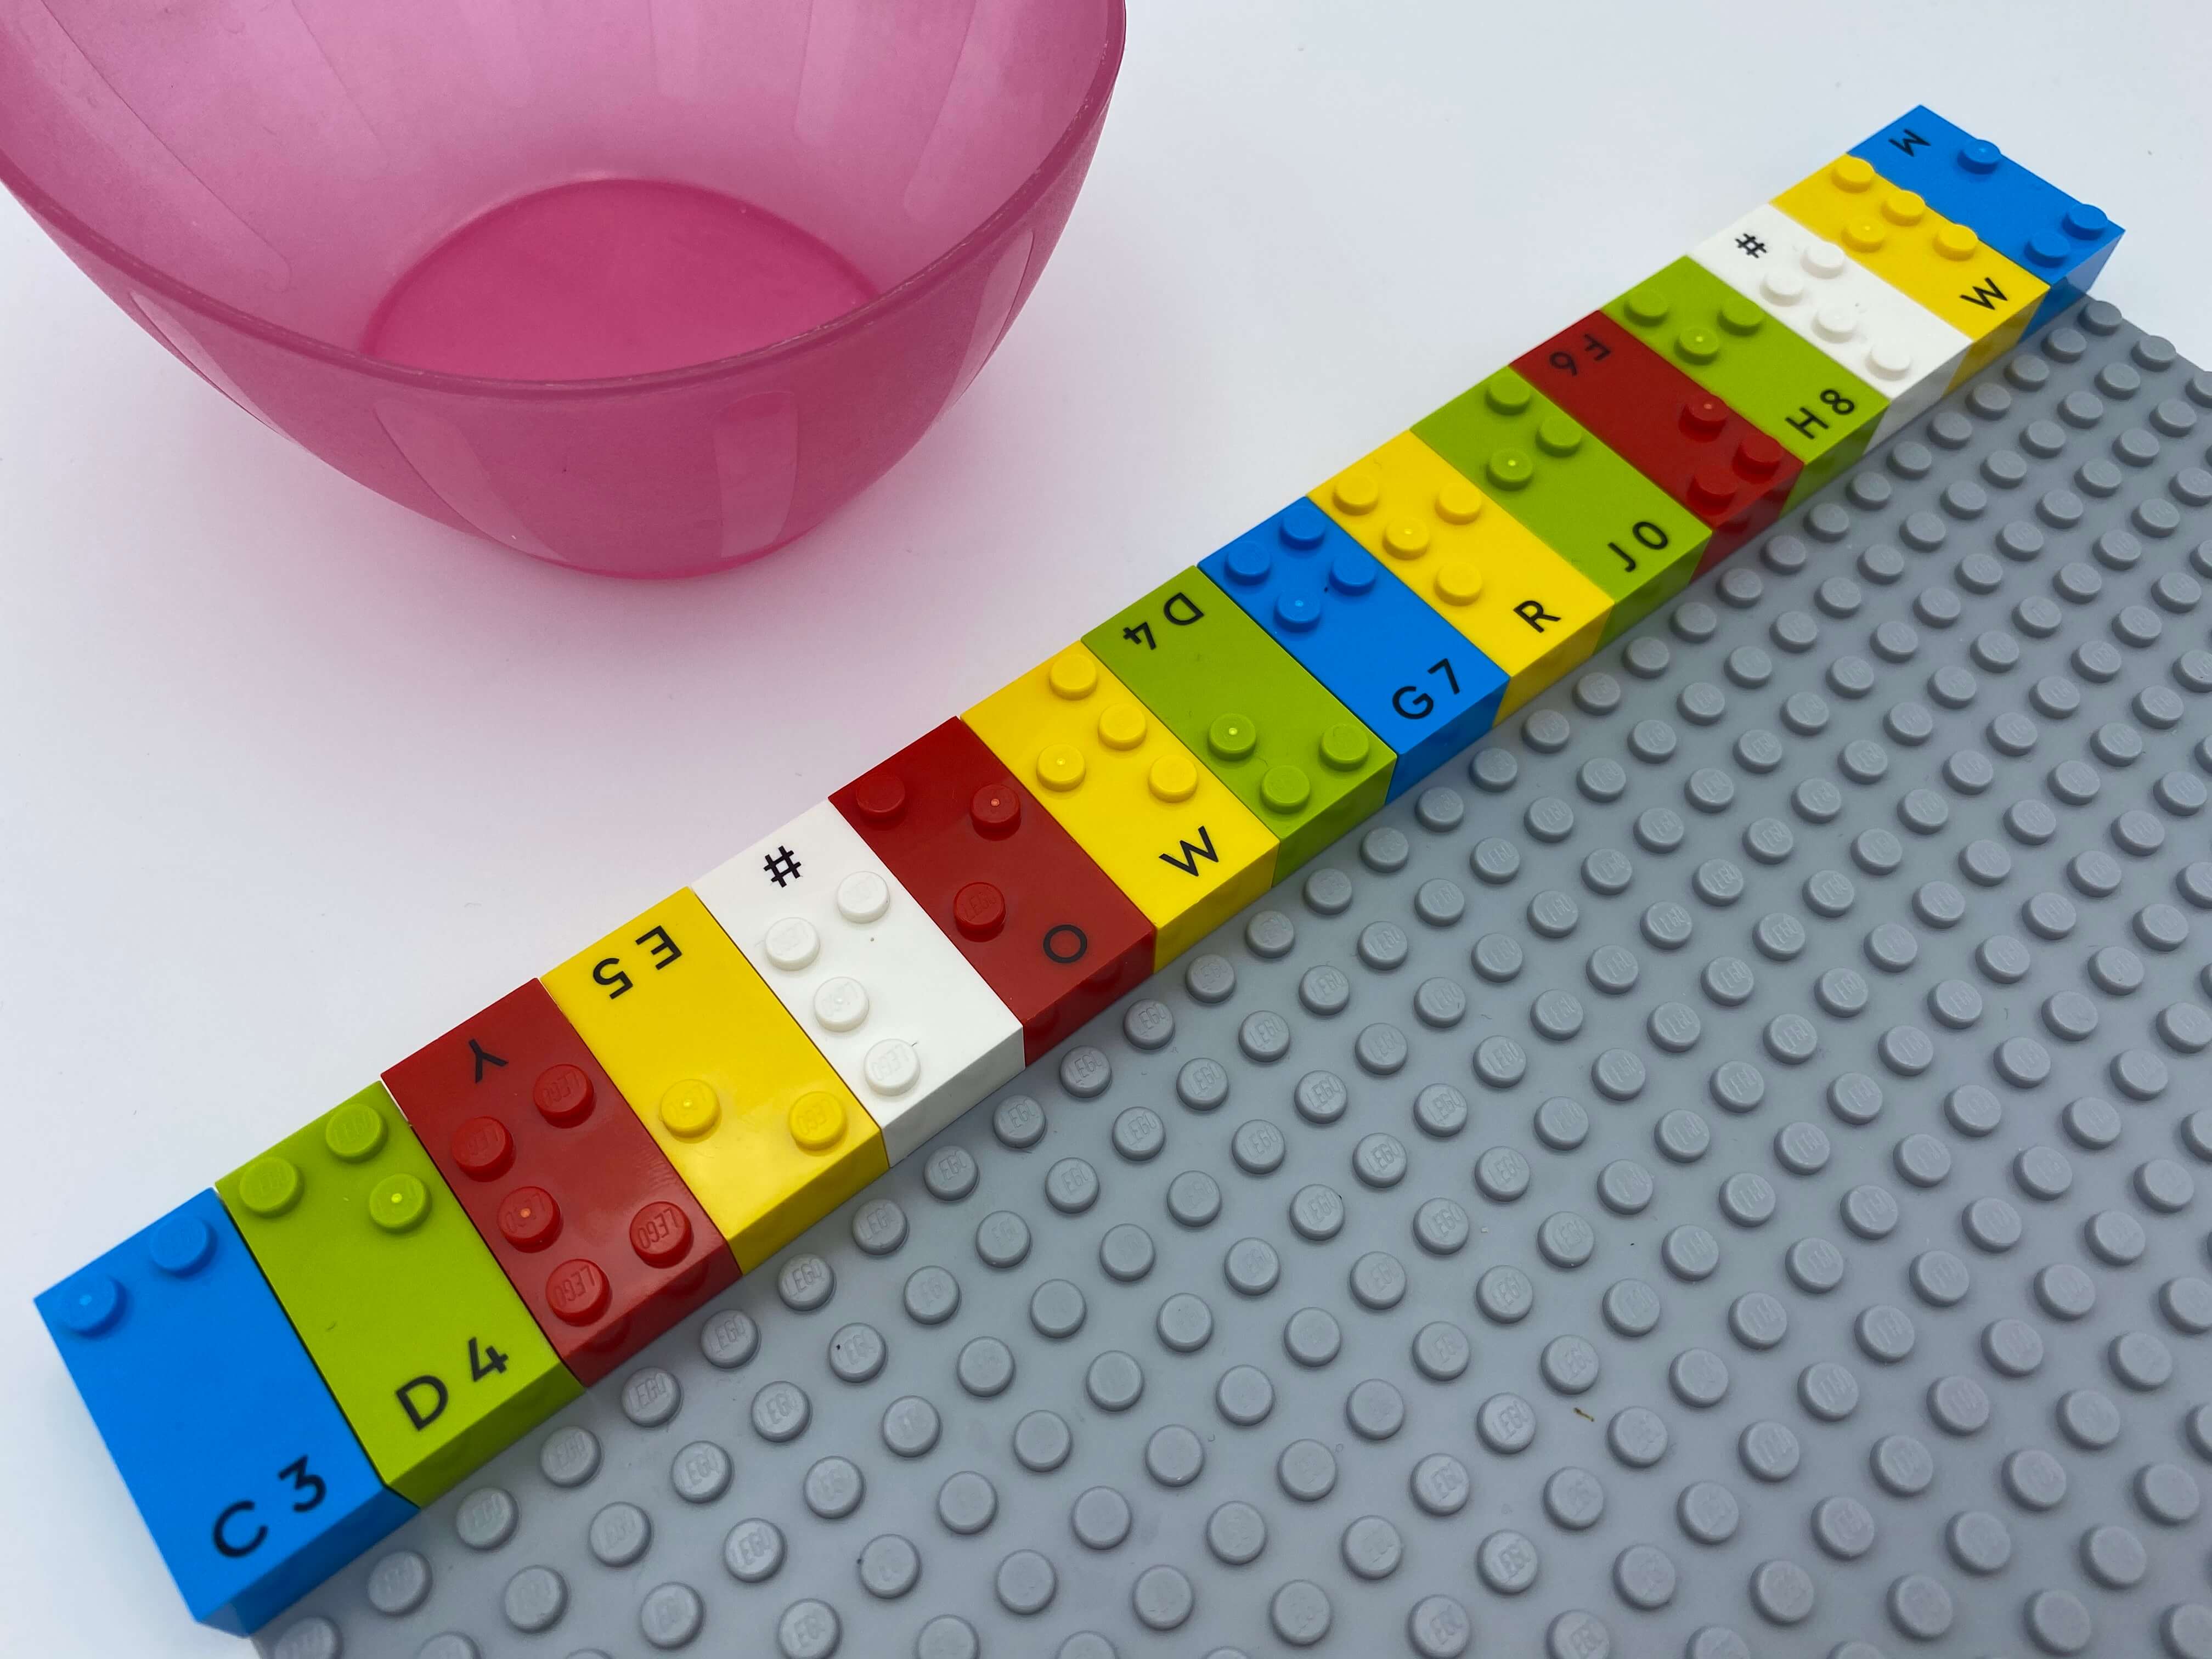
(2021, 215)
(242, 1465)
(1411, 676)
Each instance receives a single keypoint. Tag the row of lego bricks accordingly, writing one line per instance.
(669, 1107)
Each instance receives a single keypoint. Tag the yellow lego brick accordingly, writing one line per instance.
(758, 1124)
(1492, 578)
(1187, 852)
(1942, 264)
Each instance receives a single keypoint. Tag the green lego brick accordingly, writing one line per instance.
(434, 1360)
(1612, 524)
(1263, 726)
(1787, 386)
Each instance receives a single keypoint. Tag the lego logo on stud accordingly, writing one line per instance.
(562, 1094)
(690, 1109)
(1345, 746)
(891, 1066)
(354, 1133)
(270, 1186)
(528, 1219)
(1285, 788)
(840, 1003)
(979, 909)
(863, 896)
(578, 1291)
(817, 1120)
(792, 943)
(661, 1234)
(181, 1246)
(398, 1202)
(482, 1148)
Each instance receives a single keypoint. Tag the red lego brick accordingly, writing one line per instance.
(594, 1228)
(1709, 459)
(1046, 927)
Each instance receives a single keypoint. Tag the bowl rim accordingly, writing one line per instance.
(1080, 127)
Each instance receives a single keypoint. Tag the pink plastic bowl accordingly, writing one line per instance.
(645, 287)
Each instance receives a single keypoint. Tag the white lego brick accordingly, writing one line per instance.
(1882, 335)
(913, 1030)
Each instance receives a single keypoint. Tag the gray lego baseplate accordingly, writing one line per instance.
(1713, 1175)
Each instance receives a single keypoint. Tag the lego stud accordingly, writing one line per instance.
(1741, 317)
(1073, 674)
(270, 1186)
(1249, 566)
(1458, 502)
(1352, 573)
(1854, 173)
(1865, 236)
(690, 1109)
(1285, 788)
(790, 944)
(1406, 538)
(398, 1202)
(1297, 613)
(1824, 259)
(1957, 242)
(528, 1219)
(1557, 435)
(1903, 207)
(1836, 321)
(880, 797)
(1509, 469)
(2084, 222)
(355, 1132)
(995, 810)
(1697, 344)
(1232, 737)
(1345, 745)
(1702, 417)
(1508, 393)
(1979, 155)
(1357, 491)
(93, 1306)
(181, 1246)
(1172, 778)
(562, 1094)
(840, 1003)
(577, 1291)
(979, 911)
(1758, 456)
(482, 1149)
(1460, 582)
(1783, 287)
(816, 1122)
(892, 1067)
(1888, 361)
(863, 896)
(1123, 727)
(1647, 306)
(1302, 525)
(2046, 251)
(661, 1234)
(1712, 490)
(1060, 766)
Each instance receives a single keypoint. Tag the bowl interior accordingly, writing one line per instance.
(539, 189)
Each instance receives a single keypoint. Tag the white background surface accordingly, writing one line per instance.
(290, 779)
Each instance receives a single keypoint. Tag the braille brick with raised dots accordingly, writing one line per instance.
(1286, 747)
(1683, 437)
(240, 1464)
(1170, 834)
(2063, 241)
(1523, 606)
(760, 1126)
(596, 1230)
(910, 1025)
(1045, 927)
(1945, 267)
(1879, 333)
(434, 1359)
(1800, 397)
(1403, 671)
(1612, 524)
